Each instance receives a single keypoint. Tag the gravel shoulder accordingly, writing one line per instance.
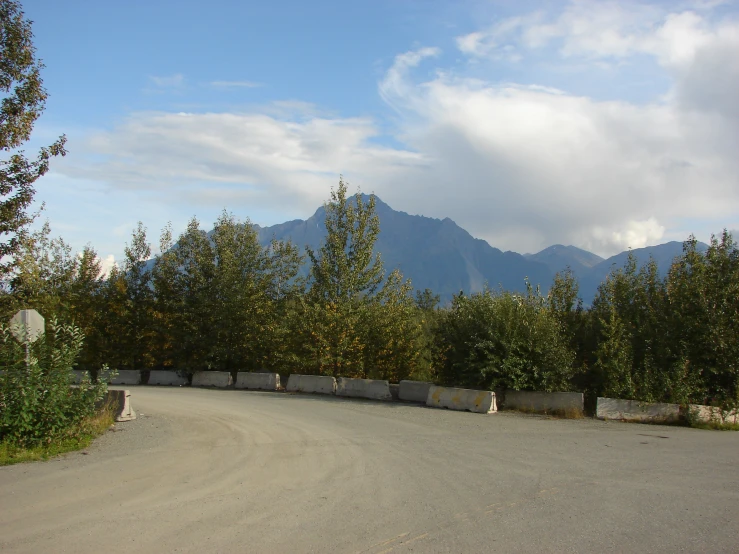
(224, 471)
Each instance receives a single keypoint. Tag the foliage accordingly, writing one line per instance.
(219, 299)
(23, 102)
(354, 322)
(504, 341)
(88, 429)
(37, 404)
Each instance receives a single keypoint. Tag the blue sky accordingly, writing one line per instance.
(604, 125)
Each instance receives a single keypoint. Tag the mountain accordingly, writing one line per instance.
(434, 253)
(558, 257)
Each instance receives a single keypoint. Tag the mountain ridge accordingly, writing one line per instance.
(440, 255)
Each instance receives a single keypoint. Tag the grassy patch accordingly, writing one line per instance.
(715, 425)
(80, 438)
(566, 413)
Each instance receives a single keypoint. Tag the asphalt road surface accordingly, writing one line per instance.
(236, 471)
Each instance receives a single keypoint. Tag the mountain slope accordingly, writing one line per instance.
(558, 257)
(433, 253)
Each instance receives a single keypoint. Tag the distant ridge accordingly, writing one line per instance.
(557, 257)
(434, 253)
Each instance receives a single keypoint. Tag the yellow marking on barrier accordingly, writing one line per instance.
(437, 394)
(478, 400)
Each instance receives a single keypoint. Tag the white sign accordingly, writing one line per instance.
(27, 326)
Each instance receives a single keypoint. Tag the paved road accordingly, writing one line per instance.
(234, 471)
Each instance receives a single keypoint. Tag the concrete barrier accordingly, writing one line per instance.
(220, 379)
(318, 384)
(414, 391)
(126, 377)
(373, 389)
(167, 378)
(708, 414)
(258, 381)
(544, 401)
(480, 401)
(634, 410)
(120, 402)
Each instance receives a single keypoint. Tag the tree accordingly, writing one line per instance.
(44, 270)
(23, 102)
(344, 268)
(501, 340)
(168, 301)
(353, 322)
(344, 274)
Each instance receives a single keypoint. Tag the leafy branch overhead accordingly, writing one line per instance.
(24, 99)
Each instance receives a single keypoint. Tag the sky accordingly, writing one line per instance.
(605, 125)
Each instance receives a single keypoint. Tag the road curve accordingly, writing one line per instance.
(236, 471)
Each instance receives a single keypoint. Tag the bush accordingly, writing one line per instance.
(38, 405)
(504, 341)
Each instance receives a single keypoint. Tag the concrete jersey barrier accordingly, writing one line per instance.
(544, 401)
(711, 414)
(258, 381)
(126, 377)
(318, 384)
(219, 379)
(478, 401)
(120, 402)
(414, 391)
(363, 388)
(634, 410)
(167, 378)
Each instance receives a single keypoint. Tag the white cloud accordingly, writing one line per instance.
(634, 234)
(106, 264)
(523, 166)
(220, 157)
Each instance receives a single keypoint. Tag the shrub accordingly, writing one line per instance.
(504, 341)
(38, 404)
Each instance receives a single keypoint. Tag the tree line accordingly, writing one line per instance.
(219, 300)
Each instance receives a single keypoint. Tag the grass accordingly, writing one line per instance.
(714, 425)
(565, 413)
(88, 430)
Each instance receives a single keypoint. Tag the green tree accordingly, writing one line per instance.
(344, 273)
(44, 270)
(139, 301)
(354, 322)
(195, 330)
(703, 295)
(87, 310)
(168, 302)
(503, 341)
(345, 267)
(24, 98)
